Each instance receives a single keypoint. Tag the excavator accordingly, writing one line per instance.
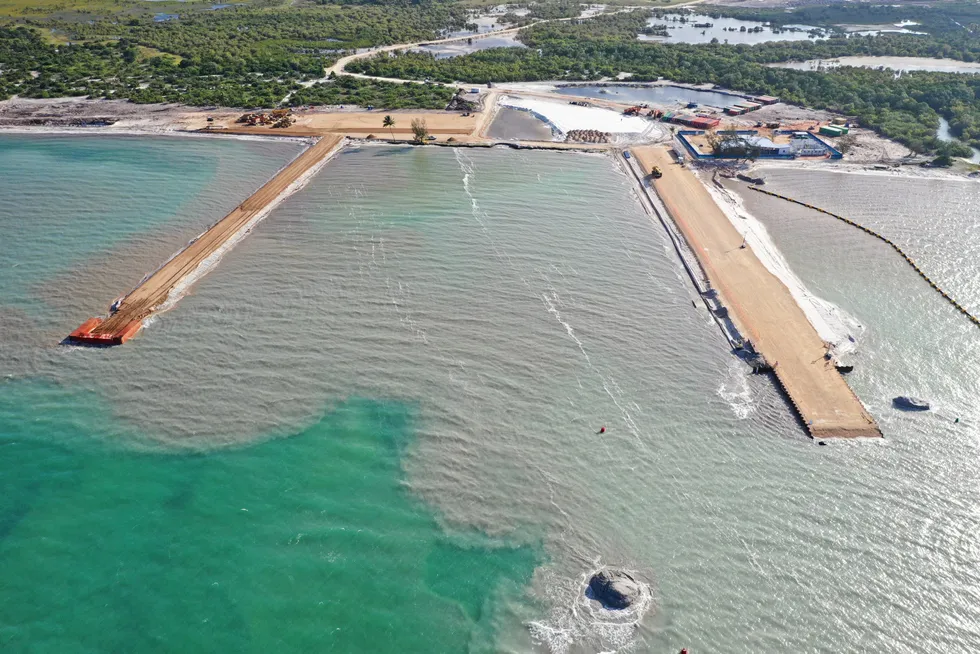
(656, 173)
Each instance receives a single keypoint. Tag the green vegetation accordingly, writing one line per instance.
(34, 69)
(950, 29)
(386, 95)
(240, 57)
(278, 40)
(947, 17)
(266, 54)
(906, 109)
(420, 131)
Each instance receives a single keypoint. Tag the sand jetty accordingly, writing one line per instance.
(760, 305)
(128, 313)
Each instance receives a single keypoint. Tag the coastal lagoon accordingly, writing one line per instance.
(943, 134)
(372, 427)
(887, 28)
(899, 64)
(457, 48)
(682, 28)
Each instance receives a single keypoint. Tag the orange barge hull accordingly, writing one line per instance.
(88, 334)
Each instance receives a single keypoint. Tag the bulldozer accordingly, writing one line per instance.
(656, 173)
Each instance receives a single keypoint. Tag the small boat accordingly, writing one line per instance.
(908, 403)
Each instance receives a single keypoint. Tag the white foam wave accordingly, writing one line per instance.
(151, 131)
(736, 392)
(550, 298)
(466, 166)
(553, 310)
(584, 624)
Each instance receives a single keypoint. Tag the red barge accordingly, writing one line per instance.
(89, 333)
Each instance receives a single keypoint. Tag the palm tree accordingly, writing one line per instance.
(389, 122)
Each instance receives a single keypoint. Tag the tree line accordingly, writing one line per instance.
(121, 70)
(905, 108)
(348, 90)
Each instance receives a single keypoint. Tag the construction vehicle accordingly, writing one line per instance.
(273, 117)
(656, 173)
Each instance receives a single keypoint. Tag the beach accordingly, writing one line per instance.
(762, 306)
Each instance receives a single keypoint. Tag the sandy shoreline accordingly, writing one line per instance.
(84, 116)
(837, 328)
(763, 307)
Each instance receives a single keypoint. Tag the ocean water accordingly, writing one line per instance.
(726, 30)
(914, 342)
(372, 427)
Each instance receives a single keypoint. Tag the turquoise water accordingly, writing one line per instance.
(400, 374)
(305, 543)
(115, 193)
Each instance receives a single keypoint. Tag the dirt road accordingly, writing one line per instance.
(760, 304)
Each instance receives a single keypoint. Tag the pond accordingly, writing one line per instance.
(514, 125)
(661, 94)
(874, 30)
(456, 48)
(488, 21)
(589, 11)
(900, 64)
(944, 135)
(682, 29)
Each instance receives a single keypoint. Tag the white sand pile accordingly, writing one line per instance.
(565, 117)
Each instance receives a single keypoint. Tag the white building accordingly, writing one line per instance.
(761, 144)
(801, 144)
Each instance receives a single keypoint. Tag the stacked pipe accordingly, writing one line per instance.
(587, 136)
